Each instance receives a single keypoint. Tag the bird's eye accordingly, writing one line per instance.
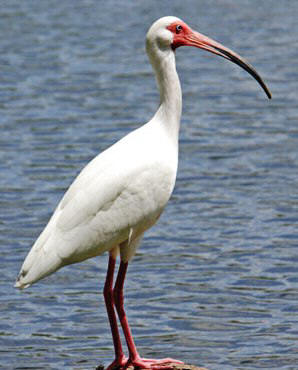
(179, 28)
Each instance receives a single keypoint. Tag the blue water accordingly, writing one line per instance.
(215, 282)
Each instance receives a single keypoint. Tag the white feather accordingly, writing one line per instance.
(124, 188)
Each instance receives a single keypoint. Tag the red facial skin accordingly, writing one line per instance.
(180, 37)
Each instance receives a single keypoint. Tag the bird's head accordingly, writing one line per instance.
(169, 33)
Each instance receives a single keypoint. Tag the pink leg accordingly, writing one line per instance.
(134, 357)
(120, 359)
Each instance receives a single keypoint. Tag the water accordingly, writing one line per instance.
(215, 281)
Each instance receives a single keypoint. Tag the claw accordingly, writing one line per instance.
(148, 363)
(118, 363)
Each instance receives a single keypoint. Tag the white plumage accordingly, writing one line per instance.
(115, 198)
(122, 192)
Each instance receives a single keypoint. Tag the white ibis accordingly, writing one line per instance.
(122, 192)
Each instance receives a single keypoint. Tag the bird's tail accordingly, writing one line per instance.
(39, 263)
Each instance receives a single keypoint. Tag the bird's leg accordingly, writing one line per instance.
(120, 359)
(134, 357)
(119, 303)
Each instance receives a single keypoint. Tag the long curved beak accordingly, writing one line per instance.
(198, 40)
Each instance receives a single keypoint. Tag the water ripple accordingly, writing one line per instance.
(215, 281)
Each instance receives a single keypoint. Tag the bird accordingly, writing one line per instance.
(122, 192)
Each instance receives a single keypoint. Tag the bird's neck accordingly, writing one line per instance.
(169, 112)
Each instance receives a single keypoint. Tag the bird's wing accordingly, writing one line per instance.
(96, 214)
(123, 189)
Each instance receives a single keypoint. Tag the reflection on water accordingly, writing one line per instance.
(215, 282)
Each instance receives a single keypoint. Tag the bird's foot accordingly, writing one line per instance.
(148, 363)
(118, 363)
